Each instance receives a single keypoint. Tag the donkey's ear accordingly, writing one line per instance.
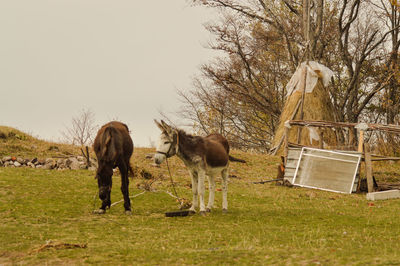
(159, 126)
(167, 127)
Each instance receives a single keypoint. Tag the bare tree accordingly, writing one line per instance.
(82, 129)
(241, 95)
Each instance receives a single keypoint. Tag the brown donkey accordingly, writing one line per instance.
(113, 147)
(202, 156)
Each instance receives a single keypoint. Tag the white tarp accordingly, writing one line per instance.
(314, 71)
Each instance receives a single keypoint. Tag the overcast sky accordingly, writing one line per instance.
(122, 59)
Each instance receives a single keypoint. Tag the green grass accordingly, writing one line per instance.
(266, 224)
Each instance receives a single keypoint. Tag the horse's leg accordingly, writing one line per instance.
(123, 168)
(225, 190)
(106, 202)
(195, 202)
(201, 174)
(211, 191)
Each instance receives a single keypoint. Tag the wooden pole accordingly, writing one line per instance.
(286, 147)
(360, 141)
(368, 167)
(306, 32)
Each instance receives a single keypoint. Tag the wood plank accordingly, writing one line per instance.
(368, 167)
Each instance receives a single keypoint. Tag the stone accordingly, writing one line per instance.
(39, 166)
(60, 161)
(383, 195)
(17, 164)
(29, 164)
(34, 160)
(20, 160)
(49, 163)
(47, 166)
(81, 158)
(74, 166)
(6, 158)
(72, 163)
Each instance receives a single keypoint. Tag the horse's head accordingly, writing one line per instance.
(167, 142)
(103, 176)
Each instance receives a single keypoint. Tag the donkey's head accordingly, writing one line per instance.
(104, 181)
(167, 143)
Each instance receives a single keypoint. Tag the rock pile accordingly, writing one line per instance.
(74, 163)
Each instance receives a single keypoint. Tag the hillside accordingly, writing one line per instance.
(14, 142)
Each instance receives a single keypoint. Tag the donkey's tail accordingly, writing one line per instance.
(233, 159)
(108, 149)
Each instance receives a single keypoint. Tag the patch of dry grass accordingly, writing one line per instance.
(19, 144)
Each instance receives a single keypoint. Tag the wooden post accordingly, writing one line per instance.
(286, 143)
(321, 139)
(361, 141)
(368, 167)
(88, 157)
(351, 137)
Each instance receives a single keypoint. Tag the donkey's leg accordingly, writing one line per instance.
(211, 191)
(123, 168)
(201, 175)
(195, 202)
(225, 190)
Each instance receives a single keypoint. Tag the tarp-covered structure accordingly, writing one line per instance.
(317, 106)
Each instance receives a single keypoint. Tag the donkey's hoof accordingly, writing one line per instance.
(128, 212)
(224, 210)
(202, 213)
(99, 211)
(208, 210)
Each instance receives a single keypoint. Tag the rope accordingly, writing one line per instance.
(131, 197)
(173, 184)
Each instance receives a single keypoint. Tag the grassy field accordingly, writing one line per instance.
(43, 212)
(46, 217)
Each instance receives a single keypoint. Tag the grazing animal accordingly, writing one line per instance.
(202, 156)
(113, 147)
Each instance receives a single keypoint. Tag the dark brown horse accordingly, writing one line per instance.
(202, 156)
(113, 147)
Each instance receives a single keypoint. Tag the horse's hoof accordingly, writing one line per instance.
(203, 213)
(99, 211)
(128, 212)
(192, 212)
(208, 210)
(224, 210)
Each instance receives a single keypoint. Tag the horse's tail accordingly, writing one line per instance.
(233, 159)
(108, 149)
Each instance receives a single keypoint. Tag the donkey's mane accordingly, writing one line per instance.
(189, 145)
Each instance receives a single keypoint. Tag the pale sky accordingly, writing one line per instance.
(121, 59)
